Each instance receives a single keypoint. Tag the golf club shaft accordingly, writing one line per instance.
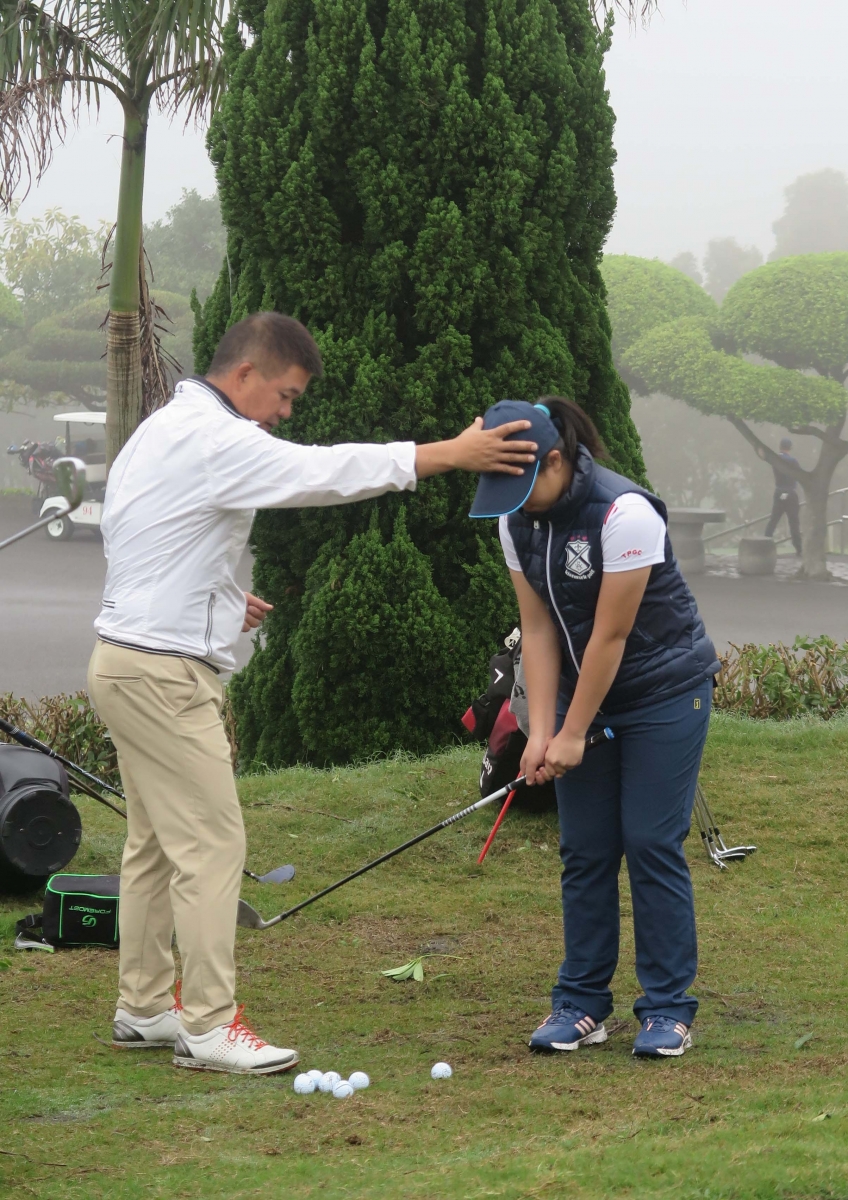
(499, 795)
(81, 786)
(595, 740)
(16, 537)
(31, 743)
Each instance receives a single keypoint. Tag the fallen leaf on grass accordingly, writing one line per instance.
(802, 1041)
(414, 969)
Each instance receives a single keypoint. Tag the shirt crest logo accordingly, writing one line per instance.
(577, 564)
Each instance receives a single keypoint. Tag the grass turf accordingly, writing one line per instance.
(757, 1110)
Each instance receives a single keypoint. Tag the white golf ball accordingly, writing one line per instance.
(359, 1080)
(328, 1081)
(342, 1090)
(315, 1076)
(441, 1071)
(304, 1084)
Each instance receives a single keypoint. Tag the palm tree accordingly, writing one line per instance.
(56, 58)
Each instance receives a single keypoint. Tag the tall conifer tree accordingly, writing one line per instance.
(428, 186)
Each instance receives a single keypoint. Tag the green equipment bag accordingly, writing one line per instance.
(79, 910)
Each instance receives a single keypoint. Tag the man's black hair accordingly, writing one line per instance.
(269, 340)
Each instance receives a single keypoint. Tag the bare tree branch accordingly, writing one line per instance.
(767, 454)
(809, 431)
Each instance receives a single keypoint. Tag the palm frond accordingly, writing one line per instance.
(195, 90)
(44, 60)
(185, 35)
(38, 40)
(31, 117)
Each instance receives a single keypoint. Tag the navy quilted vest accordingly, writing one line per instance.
(668, 650)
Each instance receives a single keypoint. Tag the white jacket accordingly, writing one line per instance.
(179, 505)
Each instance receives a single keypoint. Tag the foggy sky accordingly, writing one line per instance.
(720, 104)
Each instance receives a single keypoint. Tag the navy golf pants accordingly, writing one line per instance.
(632, 798)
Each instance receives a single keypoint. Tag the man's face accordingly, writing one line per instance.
(264, 400)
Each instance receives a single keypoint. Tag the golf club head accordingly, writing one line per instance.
(248, 917)
(278, 875)
(70, 480)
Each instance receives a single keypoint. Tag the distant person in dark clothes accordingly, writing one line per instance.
(786, 497)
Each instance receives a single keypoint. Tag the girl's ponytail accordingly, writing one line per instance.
(574, 427)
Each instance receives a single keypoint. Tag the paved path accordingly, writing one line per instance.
(50, 594)
(753, 609)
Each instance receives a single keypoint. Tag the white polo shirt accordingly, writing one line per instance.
(179, 505)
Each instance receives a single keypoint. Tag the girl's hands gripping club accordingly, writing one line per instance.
(549, 758)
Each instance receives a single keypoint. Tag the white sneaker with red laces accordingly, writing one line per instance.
(147, 1033)
(231, 1047)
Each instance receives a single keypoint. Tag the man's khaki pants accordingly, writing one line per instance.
(185, 838)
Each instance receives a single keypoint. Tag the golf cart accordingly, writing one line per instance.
(85, 439)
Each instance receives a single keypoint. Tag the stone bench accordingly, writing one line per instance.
(686, 529)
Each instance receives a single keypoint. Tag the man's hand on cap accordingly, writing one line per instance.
(484, 450)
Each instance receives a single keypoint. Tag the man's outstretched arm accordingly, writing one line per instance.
(477, 449)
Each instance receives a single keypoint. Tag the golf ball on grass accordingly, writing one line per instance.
(343, 1090)
(304, 1084)
(328, 1081)
(359, 1080)
(315, 1076)
(440, 1070)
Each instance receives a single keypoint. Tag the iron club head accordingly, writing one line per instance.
(249, 918)
(278, 875)
(70, 480)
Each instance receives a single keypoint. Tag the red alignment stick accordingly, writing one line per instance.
(605, 735)
(496, 827)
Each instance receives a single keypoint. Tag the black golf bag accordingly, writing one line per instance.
(40, 828)
(489, 719)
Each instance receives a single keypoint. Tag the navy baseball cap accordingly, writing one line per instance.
(499, 494)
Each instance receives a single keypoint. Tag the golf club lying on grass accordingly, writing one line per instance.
(714, 845)
(70, 483)
(82, 781)
(249, 918)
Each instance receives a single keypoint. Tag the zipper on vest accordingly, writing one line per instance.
(553, 601)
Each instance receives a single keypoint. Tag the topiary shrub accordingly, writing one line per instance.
(428, 187)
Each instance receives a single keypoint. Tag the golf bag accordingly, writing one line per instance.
(489, 719)
(40, 828)
(79, 910)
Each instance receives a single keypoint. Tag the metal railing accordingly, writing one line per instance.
(757, 520)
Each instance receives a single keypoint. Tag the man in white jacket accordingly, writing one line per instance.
(179, 505)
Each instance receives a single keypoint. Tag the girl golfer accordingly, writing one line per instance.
(611, 636)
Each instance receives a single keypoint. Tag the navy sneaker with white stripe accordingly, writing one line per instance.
(662, 1037)
(566, 1029)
